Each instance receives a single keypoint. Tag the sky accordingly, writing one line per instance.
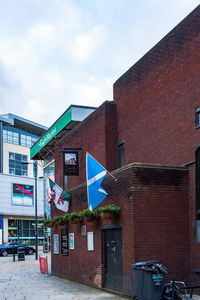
(54, 53)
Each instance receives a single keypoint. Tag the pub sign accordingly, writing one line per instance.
(70, 163)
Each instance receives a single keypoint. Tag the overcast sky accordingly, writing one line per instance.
(54, 53)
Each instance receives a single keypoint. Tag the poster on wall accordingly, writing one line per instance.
(71, 241)
(70, 163)
(22, 194)
(90, 240)
(56, 244)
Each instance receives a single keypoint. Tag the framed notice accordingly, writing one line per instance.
(90, 241)
(70, 163)
(64, 241)
(56, 244)
(71, 241)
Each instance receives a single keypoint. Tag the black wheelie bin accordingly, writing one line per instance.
(147, 280)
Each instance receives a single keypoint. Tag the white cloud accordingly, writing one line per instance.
(85, 45)
(64, 52)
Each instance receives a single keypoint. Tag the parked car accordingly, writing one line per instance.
(11, 248)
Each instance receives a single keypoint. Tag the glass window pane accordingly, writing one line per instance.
(11, 155)
(24, 157)
(11, 171)
(17, 172)
(18, 164)
(10, 139)
(18, 156)
(23, 143)
(5, 139)
(11, 163)
(26, 224)
(26, 233)
(15, 141)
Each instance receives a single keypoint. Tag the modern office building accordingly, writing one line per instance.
(17, 182)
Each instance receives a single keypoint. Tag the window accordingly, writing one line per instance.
(15, 164)
(19, 137)
(197, 117)
(121, 158)
(24, 231)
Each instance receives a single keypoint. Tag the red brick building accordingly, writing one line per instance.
(149, 138)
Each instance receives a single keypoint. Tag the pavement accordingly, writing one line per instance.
(22, 280)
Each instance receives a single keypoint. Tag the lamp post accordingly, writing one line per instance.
(36, 218)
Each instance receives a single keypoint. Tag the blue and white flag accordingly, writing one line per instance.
(95, 174)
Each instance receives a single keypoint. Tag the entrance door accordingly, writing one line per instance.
(113, 259)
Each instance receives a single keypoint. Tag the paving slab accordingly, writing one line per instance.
(22, 280)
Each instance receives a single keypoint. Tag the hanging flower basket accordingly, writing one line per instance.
(49, 224)
(74, 221)
(89, 215)
(60, 223)
(89, 219)
(109, 212)
(75, 217)
(106, 215)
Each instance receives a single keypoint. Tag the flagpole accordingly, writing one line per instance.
(103, 167)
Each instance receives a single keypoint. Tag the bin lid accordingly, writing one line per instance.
(145, 265)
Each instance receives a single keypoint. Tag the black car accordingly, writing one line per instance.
(11, 248)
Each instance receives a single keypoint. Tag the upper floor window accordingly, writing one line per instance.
(15, 164)
(121, 158)
(197, 117)
(19, 137)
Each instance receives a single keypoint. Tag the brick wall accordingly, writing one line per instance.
(156, 99)
(97, 134)
(153, 215)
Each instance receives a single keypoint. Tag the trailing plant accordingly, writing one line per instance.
(56, 219)
(48, 222)
(110, 208)
(75, 215)
(45, 221)
(89, 213)
(66, 217)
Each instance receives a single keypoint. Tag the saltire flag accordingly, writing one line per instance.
(95, 174)
(60, 197)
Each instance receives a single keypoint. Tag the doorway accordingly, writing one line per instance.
(113, 258)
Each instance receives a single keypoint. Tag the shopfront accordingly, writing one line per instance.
(24, 231)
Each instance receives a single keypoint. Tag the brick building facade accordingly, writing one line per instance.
(153, 118)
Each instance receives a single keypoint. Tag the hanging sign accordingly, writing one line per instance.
(70, 163)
